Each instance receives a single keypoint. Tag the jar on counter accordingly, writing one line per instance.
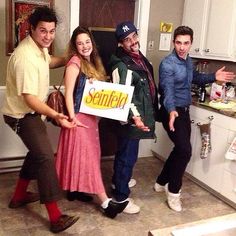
(230, 91)
(203, 67)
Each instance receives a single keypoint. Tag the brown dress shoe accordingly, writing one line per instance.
(30, 197)
(63, 223)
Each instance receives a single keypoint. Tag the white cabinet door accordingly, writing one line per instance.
(210, 170)
(221, 29)
(195, 14)
(194, 133)
(213, 23)
(229, 175)
(229, 186)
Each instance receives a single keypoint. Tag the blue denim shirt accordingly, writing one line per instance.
(176, 76)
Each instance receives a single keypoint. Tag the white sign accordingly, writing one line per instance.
(107, 100)
(165, 41)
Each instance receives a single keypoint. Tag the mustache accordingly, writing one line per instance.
(136, 43)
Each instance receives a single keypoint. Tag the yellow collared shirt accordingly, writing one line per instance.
(27, 72)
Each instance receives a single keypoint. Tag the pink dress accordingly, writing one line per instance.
(78, 157)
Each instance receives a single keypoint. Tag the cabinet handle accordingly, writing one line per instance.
(198, 123)
(196, 49)
(192, 121)
(207, 50)
(211, 118)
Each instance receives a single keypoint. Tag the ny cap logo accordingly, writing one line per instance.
(125, 28)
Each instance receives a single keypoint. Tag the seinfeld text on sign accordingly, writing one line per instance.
(107, 100)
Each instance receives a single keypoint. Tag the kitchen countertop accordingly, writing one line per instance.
(205, 105)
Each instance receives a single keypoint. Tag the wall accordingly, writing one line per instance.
(170, 11)
(62, 9)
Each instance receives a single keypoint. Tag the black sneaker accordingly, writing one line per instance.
(114, 208)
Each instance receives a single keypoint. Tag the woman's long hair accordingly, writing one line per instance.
(93, 68)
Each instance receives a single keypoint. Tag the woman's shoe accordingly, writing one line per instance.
(80, 196)
(114, 208)
(71, 196)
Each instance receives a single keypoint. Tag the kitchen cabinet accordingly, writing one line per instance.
(214, 26)
(209, 170)
(229, 172)
(215, 172)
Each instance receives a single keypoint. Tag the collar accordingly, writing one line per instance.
(37, 50)
(181, 59)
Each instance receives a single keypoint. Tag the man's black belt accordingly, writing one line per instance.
(184, 109)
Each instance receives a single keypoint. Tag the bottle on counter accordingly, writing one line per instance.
(223, 93)
(202, 94)
(203, 69)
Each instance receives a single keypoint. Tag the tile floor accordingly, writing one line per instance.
(31, 220)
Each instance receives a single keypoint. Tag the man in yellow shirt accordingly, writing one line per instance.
(27, 85)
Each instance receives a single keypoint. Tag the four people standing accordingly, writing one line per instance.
(78, 156)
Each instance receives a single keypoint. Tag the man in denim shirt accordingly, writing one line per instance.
(176, 74)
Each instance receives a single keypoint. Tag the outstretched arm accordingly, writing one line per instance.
(57, 62)
(224, 76)
(40, 107)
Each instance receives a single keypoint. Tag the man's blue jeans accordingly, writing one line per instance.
(125, 159)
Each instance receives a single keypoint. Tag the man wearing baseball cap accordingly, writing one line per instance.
(130, 67)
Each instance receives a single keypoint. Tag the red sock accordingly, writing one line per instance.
(20, 191)
(53, 211)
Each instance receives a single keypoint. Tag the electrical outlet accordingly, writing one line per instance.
(150, 45)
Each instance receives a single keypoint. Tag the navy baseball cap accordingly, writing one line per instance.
(124, 29)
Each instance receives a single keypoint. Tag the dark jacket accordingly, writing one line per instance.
(142, 103)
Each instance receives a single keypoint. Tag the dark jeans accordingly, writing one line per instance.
(39, 162)
(174, 167)
(125, 159)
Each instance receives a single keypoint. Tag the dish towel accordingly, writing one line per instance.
(206, 140)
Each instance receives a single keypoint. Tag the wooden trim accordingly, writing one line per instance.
(102, 29)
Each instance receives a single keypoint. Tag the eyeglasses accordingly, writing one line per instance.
(131, 38)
